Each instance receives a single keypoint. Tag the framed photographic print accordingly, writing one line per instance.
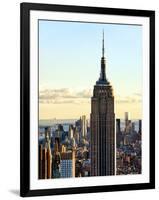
(87, 99)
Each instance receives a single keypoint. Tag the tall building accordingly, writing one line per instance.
(102, 125)
(84, 126)
(56, 159)
(119, 136)
(45, 157)
(118, 129)
(140, 127)
(68, 164)
(126, 118)
(133, 127)
(40, 161)
(44, 163)
(76, 135)
(126, 122)
(70, 132)
(48, 152)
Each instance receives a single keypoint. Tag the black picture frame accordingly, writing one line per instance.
(25, 9)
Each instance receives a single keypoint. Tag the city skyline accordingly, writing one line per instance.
(67, 149)
(63, 92)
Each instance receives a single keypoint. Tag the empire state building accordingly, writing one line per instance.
(102, 121)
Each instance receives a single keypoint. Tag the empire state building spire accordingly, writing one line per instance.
(103, 46)
(102, 79)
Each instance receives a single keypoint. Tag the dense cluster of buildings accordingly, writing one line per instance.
(64, 150)
(88, 148)
(128, 146)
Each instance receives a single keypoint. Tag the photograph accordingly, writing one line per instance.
(90, 99)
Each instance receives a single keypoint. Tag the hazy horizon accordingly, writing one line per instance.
(49, 119)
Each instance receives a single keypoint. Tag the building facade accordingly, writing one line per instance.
(102, 125)
(68, 164)
(45, 158)
(84, 126)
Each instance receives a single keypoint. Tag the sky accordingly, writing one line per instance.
(69, 65)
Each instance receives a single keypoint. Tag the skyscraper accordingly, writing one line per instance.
(119, 136)
(44, 163)
(102, 125)
(40, 161)
(48, 153)
(126, 122)
(56, 159)
(140, 127)
(45, 157)
(118, 130)
(70, 132)
(83, 126)
(68, 164)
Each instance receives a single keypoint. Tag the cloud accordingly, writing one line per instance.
(128, 99)
(64, 96)
(138, 94)
(68, 96)
(85, 93)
